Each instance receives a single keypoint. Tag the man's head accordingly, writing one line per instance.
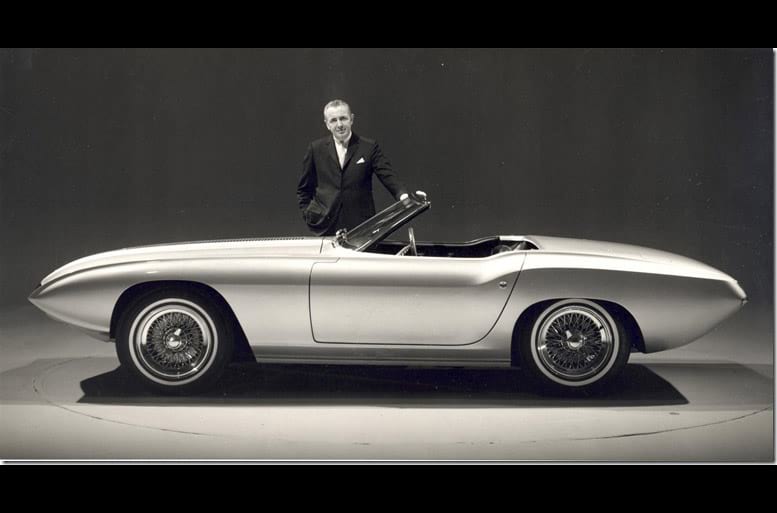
(338, 119)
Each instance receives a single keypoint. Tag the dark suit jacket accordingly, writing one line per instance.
(331, 198)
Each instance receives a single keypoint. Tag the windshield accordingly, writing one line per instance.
(385, 222)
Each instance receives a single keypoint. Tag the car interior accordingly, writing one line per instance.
(479, 248)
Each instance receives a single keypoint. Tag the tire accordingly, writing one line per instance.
(175, 341)
(573, 347)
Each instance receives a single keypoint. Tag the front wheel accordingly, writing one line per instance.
(174, 341)
(574, 346)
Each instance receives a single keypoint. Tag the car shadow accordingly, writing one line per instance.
(321, 385)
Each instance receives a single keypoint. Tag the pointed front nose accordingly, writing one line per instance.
(35, 294)
(738, 291)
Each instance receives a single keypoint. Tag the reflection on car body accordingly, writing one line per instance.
(568, 312)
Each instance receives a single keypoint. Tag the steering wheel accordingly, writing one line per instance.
(410, 248)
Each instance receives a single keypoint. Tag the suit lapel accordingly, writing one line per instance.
(353, 145)
(333, 152)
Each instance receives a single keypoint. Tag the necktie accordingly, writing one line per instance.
(341, 151)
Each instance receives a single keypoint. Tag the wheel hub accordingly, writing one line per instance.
(174, 341)
(575, 340)
(574, 343)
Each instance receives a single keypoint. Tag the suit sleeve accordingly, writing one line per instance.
(306, 188)
(382, 168)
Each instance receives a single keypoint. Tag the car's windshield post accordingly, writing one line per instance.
(340, 236)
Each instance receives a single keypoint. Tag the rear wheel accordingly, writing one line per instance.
(174, 341)
(573, 346)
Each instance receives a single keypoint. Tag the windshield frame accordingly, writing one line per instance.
(383, 224)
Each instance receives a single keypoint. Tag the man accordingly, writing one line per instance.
(335, 189)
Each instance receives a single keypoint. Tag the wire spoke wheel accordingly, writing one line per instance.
(576, 343)
(173, 341)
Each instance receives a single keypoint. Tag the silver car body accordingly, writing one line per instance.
(310, 299)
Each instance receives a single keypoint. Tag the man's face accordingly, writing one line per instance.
(339, 121)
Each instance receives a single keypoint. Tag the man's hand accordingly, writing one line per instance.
(418, 193)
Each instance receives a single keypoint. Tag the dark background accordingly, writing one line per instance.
(672, 149)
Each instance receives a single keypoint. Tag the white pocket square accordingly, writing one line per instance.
(360, 161)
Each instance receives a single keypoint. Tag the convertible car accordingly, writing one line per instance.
(568, 312)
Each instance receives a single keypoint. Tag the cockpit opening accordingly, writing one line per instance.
(479, 248)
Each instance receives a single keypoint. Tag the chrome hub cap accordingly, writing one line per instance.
(173, 341)
(574, 342)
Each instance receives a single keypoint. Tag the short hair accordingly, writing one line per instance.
(337, 103)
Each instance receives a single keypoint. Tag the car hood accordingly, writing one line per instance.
(584, 247)
(290, 246)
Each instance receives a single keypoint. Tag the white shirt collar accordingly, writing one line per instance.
(344, 143)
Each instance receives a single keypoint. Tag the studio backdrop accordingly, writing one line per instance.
(672, 149)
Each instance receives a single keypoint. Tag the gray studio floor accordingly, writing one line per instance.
(62, 397)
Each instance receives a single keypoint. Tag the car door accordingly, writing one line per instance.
(387, 299)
